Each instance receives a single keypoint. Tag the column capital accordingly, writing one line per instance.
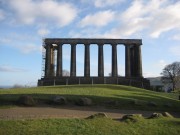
(100, 44)
(61, 44)
(86, 44)
(128, 44)
(113, 44)
(136, 44)
(48, 45)
(73, 44)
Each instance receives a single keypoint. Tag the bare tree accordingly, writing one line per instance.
(171, 74)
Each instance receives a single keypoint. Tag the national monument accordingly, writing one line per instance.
(133, 63)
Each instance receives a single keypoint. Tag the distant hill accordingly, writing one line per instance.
(155, 81)
(5, 86)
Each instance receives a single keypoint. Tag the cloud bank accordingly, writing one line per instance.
(43, 11)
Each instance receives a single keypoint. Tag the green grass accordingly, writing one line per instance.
(121, 97)
(98, 126)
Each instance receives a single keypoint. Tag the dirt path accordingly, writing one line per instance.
(66, 112)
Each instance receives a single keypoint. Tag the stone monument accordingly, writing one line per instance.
(133, 63)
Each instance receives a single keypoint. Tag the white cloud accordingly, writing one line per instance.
(5, 68)
(104, 3)
(150, 74)
(5, 40)
(176, 37)
(86, 32)
(28, 48)
(2, 16)
(43, 32)
(99, 19)
(30, 12)
(24, 48)
(19, 42)
(161, 64)
(155, 16)
(175, 50)
(154, 69)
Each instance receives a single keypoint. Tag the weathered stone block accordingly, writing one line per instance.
(97, 115)
(84, 102)
(26, 100)
(59, 100)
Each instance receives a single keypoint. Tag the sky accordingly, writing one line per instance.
(25, 23)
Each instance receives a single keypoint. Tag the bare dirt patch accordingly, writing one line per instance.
(67, 112)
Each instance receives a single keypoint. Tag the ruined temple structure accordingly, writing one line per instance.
(133, 63)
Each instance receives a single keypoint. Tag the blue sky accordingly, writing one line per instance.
(24, 23)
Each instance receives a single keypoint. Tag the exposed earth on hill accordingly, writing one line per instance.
(67, 112)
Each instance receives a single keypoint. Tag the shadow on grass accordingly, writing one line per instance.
(116, 102)
(101, 86)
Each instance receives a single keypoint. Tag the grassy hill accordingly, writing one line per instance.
(111, 96)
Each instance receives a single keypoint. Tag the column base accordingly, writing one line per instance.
(136, 82)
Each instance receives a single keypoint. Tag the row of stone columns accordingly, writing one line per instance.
(133, 64)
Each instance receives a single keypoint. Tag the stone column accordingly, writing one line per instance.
(114, 61)
(52, 71)
(47, 60)
(59, 61)
(87, 61)
(49, 63)
(100, 61)
(127, 61)
(132, 61)
(138, 61)
(73, 60)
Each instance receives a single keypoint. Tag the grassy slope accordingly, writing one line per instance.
(99, 126)
(121, 96)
